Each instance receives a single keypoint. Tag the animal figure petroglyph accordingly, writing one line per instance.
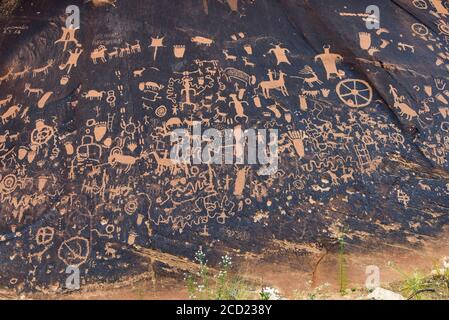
(4, 102)
(30, 90)
(202, 40)
(405, 109)
(150, 86)
(44, 69)
(310, 80)
(220, 116)
(278, 84)
(11, 113)
(138, 73)
(236, 74)
(98, 53)
(93, 94)
(100, 3)
(117, 157)
(20, 74)
(113, 54)
(126, 50)
(229, 56)
(163, 163)
(6, 76)
(248, 63)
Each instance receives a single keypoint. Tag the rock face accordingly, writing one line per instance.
(86, 178)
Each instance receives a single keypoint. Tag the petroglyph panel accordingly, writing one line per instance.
(86, 116)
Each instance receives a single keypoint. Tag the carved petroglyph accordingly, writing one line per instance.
(86, 170)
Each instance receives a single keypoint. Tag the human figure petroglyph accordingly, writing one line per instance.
(68, 35)
(238, 106)
(187, 91)
(330, 60)
(240, 181)
(280, 54)
(72, 60)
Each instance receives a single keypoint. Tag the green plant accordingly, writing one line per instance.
(224, 285)
(264, 295)
(342, 278)
(198, 284)
(415, 285)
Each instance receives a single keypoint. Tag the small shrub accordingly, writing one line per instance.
(222, 286)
